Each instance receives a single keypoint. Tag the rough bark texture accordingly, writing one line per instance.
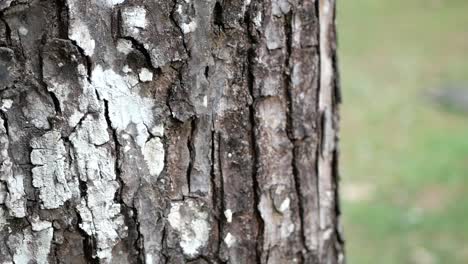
(168, 131)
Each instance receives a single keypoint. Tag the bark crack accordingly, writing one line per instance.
(118, 195)
(141, 48)
(53, 96)
(7, 29)
(4, 117)
(181, 32)
(218, 197)
(251, 54)
(88, 61)
(89, 243)
(191, 148)
(63, 18)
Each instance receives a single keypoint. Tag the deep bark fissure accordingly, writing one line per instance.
(218, 19)
(138, 244)
(338, 212)
(21, 47)
(337, 95)
(116, 149)
(89, 243)
(4, 117)
(88, 61)
(7, 29)
(250, 82)
(192, 152)
(69, 149)
(56, 103)
(216, 156)
(63, 18)
(176, 24)
(55, 100)
(5, 125)
(141, 48)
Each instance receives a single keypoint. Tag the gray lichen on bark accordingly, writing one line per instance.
(51, 174)
(184, 131)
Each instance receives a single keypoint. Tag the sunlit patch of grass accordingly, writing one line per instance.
(396, 140)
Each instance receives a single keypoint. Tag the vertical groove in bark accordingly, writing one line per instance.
(218, 188)
(169, 132)
(250, 82)
(174, 21)
(191, 148)
(7, 30)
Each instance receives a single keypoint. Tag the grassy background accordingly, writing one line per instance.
(404, 160)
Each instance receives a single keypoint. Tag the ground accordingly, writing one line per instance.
(404, 159)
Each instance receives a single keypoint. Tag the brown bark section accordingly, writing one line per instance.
(137, 131)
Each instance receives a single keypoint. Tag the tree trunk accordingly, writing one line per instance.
(157, 131)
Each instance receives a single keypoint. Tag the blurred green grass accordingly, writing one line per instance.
(404, 160)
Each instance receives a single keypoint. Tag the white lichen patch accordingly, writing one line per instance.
(278, 226)
(3, 218)
(5, 4)
(280, 7)
(127, 147)
(149, 259)
(188, 27)
(75, 118)
(6, 104)
(124, 46)
(191, 222)
(134, 18)
(274, 37)
(285, 205)
(126, 106)
(79, 32)
(31, 246)
(16, 200)
(229, 240)
(51, 172)
(23, 31)
(101, 217)
(114, 2)
(38, 111)
(38, 225)
(145, 75)
(3, 194)
(327, 234)
(14, 196)
(153, 152)
(258, 20)
(157, 130)
(228, 215)
(126, 69)
(75, 97)
(179, 9)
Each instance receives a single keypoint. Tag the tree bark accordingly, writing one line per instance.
(157, 131)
